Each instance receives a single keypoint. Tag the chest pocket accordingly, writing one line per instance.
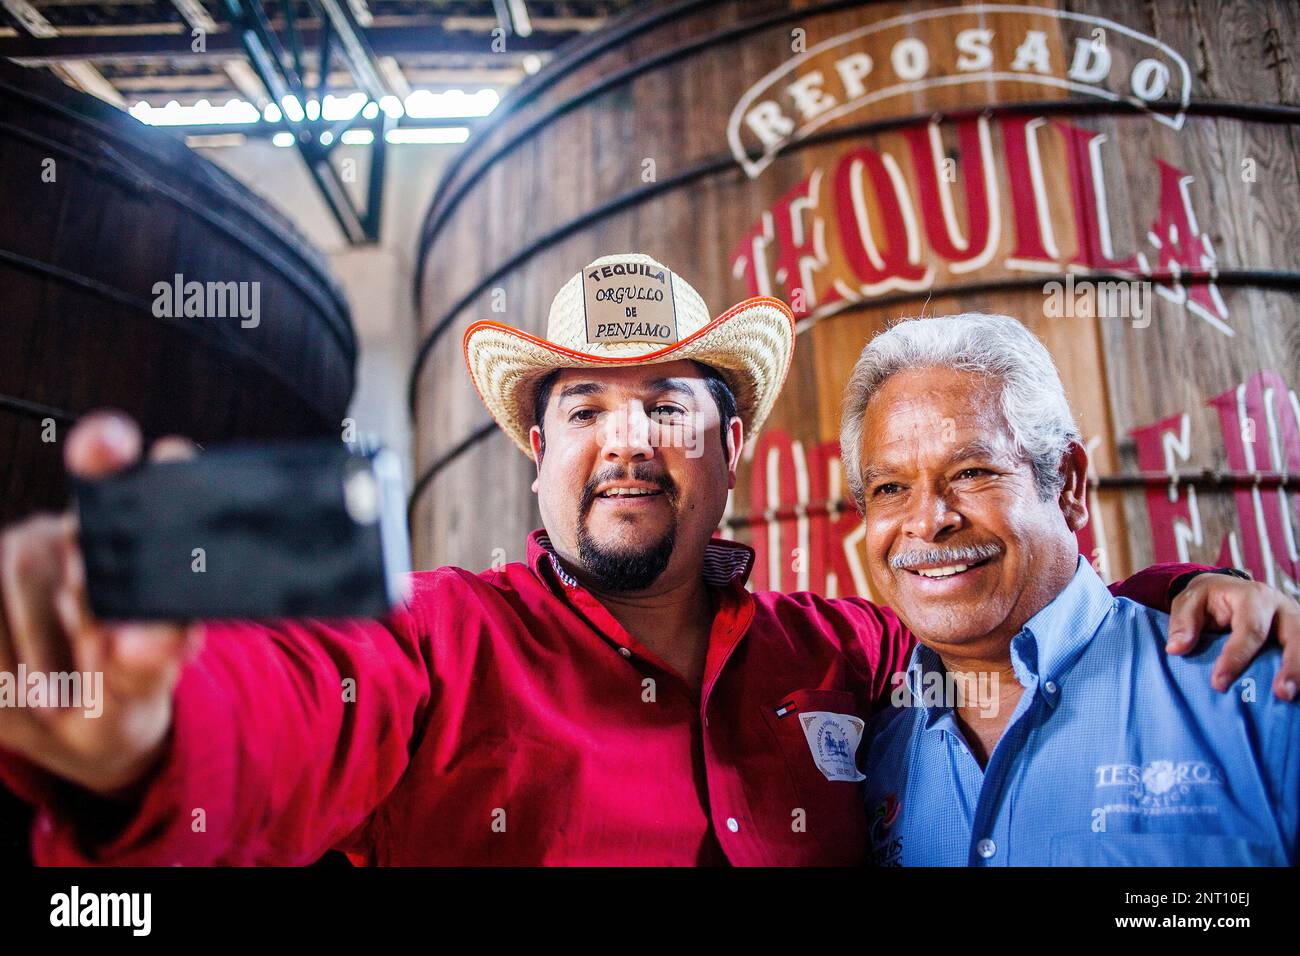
(1159, 849)
(820, 735)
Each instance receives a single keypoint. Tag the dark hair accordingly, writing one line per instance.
(540, 402)
(723, 397)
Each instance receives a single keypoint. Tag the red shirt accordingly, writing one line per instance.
(507, 718)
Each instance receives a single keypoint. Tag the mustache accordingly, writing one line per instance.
(637, 472)
(962, 554)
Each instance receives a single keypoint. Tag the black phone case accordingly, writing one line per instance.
(251, 532)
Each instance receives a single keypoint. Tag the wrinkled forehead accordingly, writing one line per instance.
(934, 415)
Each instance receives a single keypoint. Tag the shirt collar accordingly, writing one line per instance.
(1052, 640)
(1046, 646)
(725, 562)
(925, 661)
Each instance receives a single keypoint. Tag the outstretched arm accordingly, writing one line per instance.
(232, 743)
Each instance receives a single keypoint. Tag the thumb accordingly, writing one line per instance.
(101, 443)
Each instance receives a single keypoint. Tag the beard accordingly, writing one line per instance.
(622, 570)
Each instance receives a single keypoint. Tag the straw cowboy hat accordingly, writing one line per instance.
(628, 309)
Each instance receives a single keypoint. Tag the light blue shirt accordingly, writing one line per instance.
(1116, 754)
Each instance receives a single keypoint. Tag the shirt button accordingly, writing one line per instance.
(1050, 687)
(625, 652)
(732, 825)
(986, 848)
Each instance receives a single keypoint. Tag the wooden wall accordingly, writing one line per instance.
(625, 147)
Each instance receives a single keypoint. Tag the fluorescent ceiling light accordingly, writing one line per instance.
(293, 109)
(216, 141)
(425, 104)
(421, 104)
(441, 135)
(337, 108)
(201, 113)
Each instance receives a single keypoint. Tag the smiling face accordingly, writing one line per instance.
(633, 477)
(959, 541)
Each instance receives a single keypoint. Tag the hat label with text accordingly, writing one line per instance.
(629, 302)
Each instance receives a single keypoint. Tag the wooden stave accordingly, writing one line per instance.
(510, 123)
(439, 389)
(147, 208)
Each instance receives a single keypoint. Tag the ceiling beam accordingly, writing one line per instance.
(196, 15)
(354, 47)
(394, 77)
(385, 41)
(77, 73)
(361, 13)
(85, 77)
(218, 84)
(246, 81)
(29, 18)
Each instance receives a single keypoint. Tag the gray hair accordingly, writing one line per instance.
(1033, 399)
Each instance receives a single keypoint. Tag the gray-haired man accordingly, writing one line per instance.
(1089, 745)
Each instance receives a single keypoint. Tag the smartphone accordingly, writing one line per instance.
(294, 529)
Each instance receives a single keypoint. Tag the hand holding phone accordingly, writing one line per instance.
(47, 627)
(294, 529)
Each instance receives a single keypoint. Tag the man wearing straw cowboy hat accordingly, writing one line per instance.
(620, 698)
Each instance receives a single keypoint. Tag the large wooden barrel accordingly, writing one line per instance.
(1121, 177)
(108, 229)
(98, 214)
